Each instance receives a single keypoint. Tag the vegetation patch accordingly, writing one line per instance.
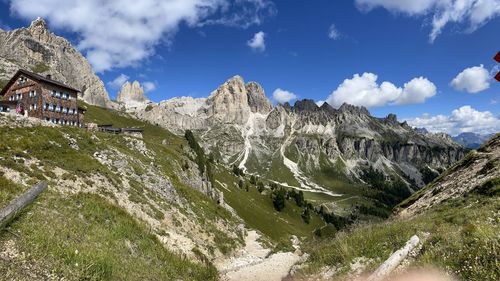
(83, 237)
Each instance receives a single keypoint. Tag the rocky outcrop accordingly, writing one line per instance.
(132, 95)
(478, 170)
(257, 99)
(37, 49)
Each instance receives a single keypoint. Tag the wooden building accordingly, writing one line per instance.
(41, 97)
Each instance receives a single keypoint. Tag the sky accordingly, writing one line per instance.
(428, 61)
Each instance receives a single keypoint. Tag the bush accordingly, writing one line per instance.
(298, 197)
(237, 171)
(260, 187)
(306, 215)
(278, 197)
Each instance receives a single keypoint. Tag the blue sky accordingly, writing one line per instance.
(195, 54)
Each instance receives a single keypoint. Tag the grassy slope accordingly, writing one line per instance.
(258, 212)
(50, 147)
(83, 237)
(463, 240)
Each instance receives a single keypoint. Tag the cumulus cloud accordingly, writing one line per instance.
(363, 90)
(121, 33)
(333, 32)
(472, 80)
(258, 42)
(474, 13)
(320, 103)
(416, 91)
(149, 86)
(118, 82)
(461, 120)
(282, 96)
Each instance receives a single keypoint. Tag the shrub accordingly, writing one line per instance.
(278, 197)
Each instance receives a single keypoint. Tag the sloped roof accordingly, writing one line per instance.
(35, 77)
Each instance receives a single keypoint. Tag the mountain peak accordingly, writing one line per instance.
(327, 107)
(257, 99)
(349, 108)
(305, 105)
(39, 23)
(132, 94)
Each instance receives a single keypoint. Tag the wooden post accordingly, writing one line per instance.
(14, 207)
(394, 260)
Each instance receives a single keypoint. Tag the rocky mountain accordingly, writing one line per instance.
(305, 146)
(132, 95)
(478, 170)
(472, 140)
(37, 49)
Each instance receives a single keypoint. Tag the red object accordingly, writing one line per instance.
(497, 57)
(498, 77)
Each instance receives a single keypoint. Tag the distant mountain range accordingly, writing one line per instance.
(472, 140)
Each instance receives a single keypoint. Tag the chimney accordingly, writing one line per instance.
(49, 76)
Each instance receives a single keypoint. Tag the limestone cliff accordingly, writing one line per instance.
(37, 49)
(132, 95)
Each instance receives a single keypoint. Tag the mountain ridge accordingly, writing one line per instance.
(238, 123)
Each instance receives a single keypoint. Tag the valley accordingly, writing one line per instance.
(233, 186)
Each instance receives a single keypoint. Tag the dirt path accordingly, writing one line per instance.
(251, 264)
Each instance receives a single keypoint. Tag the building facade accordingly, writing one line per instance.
(41, 97)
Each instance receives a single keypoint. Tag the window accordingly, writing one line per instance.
(51, 107)
(34, 106)
(58, 94)
(64, 96)
(31, 107)
(65, 110)
(69, 97)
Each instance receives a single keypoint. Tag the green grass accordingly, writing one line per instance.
(40, 68)
(258, 212)
(9, 191)
(83, 237)
(463, 240)
(3, 83)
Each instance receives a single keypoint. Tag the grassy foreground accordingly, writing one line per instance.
(83, 237)
(463, 240)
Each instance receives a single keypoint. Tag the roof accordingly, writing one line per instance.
(36, 77)
(138, 130)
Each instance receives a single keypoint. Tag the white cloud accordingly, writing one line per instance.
(472, 80)
(282, 96)
(258, 42)
(333, 32)
(475, 13)
(417, 91)
(121, 33)
(363, 90)
(320, 103)
(461, 120)
(149, 86)
(118, 82)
